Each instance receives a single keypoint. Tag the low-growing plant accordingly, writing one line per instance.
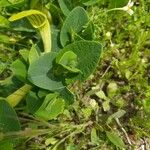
(50, 51)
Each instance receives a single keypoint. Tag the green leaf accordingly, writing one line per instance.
(52, 106)
(67, 5)
(25, 54)
(19, 69)
(56, 14)
(56, 46)
(115, 139)
(94, 137)
(39, 21)
(34, 54)
(71, 147)
(73, 24)
(88, 31)
(68, 61)
(64, 4)
(8, 117)
(33, 102)
(67, 95)
(117, 114)
(41, 74)
(88, 55)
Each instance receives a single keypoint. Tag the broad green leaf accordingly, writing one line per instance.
(115, 139)
(68, 61)
(56, 46)
(52, 106)
(41, 74)
(8, 117)
(56, 13)
(25, 54)
(33, 102)
(39, 21)
(73, 24)
(33, 54)
(67, 5)
(88, 31)
(42, 93)
(67, 95)
(19, 69)
(88, 54)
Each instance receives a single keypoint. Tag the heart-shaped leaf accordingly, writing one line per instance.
(52, 106)
(88, 55)
(8, 117)
(41, 74)
(68, 61)
(73, 24)
(19, 69)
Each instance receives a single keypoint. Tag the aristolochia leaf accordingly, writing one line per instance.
(52, 106)
(8, 117)
(73, 24)
(88, 55)
(41, 74)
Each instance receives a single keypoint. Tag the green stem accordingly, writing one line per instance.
(114, 9)
(18, 95)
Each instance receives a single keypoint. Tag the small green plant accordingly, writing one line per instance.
(45, 69)
(56, 92)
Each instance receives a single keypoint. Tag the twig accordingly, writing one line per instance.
(123, 130)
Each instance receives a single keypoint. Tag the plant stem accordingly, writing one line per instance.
(18, 95)
(114, 9)
(123, 130)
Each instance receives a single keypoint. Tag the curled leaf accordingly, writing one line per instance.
(39, 21)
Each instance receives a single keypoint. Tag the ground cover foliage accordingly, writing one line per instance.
(74, 74)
